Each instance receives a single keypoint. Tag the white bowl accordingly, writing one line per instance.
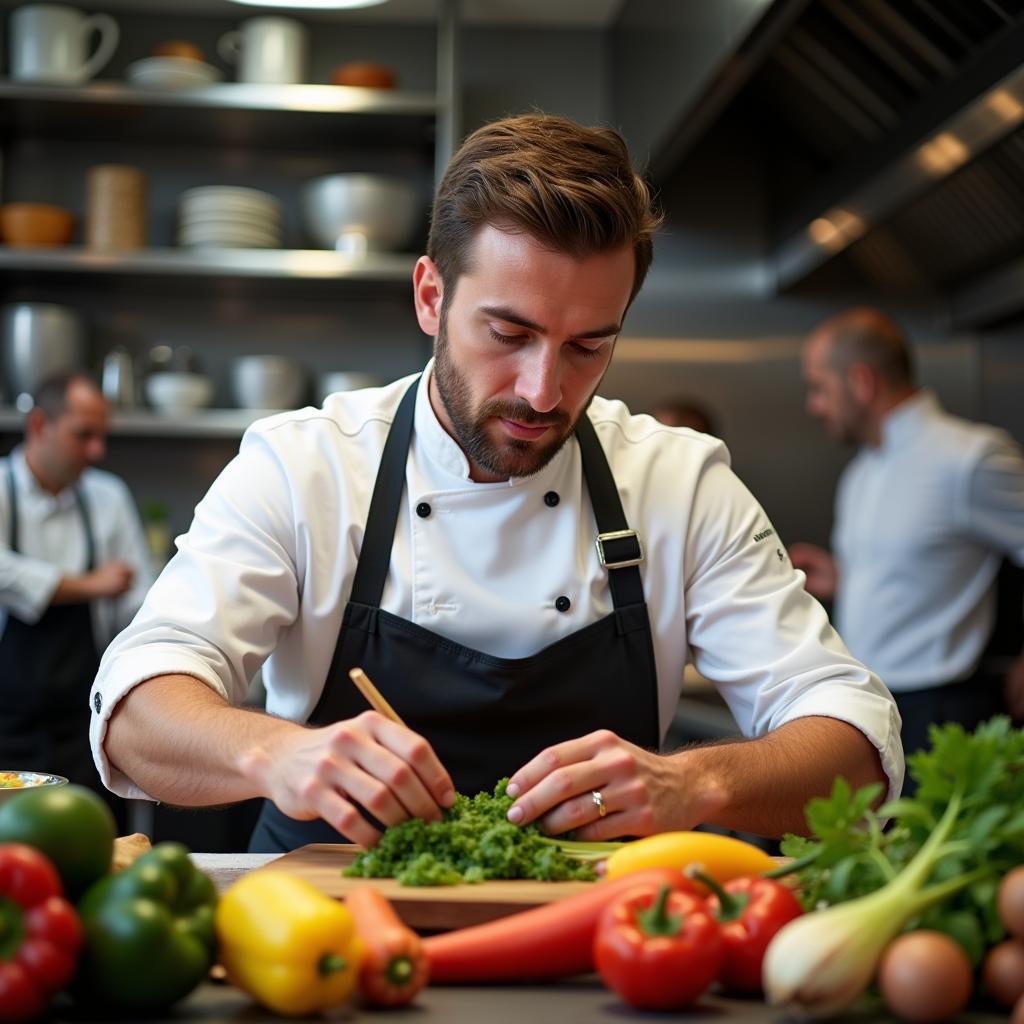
(268, 382)
(172, 391)
(344, 380)
(360, 212)
(171, 73)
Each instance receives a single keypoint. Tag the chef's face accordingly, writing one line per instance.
(830, 397)
(74, 440)
(521, 346)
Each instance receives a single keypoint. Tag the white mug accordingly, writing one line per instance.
(50, 43)
(271, 51)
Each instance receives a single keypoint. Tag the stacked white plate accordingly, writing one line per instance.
(229, 217)
(171, 73)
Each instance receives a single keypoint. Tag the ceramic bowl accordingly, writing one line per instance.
(171, 391)
(35, 224)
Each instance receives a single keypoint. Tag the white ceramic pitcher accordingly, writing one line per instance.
(51, 42)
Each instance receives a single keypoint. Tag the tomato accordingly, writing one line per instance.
(1011, 901)
(70, 824)
(925, 976)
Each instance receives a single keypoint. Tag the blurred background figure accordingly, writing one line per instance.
(74, 568)
(924, 513)
(685, 412)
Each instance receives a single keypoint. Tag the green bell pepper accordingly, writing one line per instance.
(150, 936)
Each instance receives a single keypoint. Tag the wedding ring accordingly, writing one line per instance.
(599, 803)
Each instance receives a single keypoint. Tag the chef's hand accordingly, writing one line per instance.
(642, 792)
(369, 760)
(111, 579)
(1014, 689)
(819, 566)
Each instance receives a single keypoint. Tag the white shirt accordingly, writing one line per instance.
(921, 524)
(265, 571)
(52, 544)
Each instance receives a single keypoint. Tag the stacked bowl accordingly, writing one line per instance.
(229, 217)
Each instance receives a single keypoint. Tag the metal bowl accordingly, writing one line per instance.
(29, 780)
(360, 212)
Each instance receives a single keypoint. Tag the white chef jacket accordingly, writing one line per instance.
(265, 571)
(922, 522)
(52, 544)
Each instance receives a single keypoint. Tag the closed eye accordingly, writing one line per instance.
(505, 339)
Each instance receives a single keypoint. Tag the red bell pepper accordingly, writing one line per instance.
(658, 948)
(749, 912)
(40, 934)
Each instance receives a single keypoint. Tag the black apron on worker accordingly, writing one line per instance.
(484, 716)
(46, 670)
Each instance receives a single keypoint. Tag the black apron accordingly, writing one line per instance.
(485, 717)
(46, 671)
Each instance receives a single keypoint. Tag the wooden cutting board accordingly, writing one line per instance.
(434, 908)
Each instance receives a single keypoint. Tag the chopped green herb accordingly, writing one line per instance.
(473, 843)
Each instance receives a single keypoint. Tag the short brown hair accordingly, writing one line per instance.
(568, 186)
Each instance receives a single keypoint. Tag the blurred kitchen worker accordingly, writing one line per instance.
(74, 568)
(685, 412)
(466, 536)
(924, 514)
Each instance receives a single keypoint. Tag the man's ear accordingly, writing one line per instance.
(34, 421)
(428, 292)
(863, 383)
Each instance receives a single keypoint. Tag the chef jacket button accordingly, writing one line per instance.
(562, 603)
(423, 510)
(97, 702)
(551, 499)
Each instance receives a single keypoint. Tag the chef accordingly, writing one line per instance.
(925, 512)
(522, 568)
(73, 571)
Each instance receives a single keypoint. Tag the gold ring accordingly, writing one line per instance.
(599, 803)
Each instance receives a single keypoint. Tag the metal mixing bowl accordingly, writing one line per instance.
(31, 780)
(360, 212)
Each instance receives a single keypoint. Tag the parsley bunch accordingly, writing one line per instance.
(970, 784)
(473, 842)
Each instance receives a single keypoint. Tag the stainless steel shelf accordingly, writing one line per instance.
(226, 423)
(226, 113)
(281, 264)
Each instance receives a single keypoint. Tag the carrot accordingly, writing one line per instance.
(394, 966)
(544, 942)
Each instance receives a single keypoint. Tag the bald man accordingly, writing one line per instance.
(924, 514)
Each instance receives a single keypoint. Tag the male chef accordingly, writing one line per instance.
(522, 568)
(73, 571)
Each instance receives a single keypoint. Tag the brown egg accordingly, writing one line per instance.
(366, 74)
(1011, 901)
(178, 48)
(1003, 971)
(925, 977)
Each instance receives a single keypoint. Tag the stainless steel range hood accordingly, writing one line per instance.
(904, 120)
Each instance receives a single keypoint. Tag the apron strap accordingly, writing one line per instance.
(618, 546)
(381, 520)
(90, 542)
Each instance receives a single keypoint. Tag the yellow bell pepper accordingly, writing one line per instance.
(722, 857)
(287, 944)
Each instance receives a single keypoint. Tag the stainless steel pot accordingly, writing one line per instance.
(39, 339)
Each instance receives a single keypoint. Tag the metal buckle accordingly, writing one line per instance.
(618, 535)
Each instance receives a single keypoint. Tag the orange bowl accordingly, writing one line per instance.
(181, 48)
(28, 224)
(366, 74)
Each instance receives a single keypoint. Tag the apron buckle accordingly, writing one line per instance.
(623, 549)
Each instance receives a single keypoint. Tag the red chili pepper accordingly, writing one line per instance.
(658, 948)
(40, 934)
(749, 912)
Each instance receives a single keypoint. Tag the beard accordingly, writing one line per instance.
(511, 456)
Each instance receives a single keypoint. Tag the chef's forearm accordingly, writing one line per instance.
(763, 785)
(183, 744)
